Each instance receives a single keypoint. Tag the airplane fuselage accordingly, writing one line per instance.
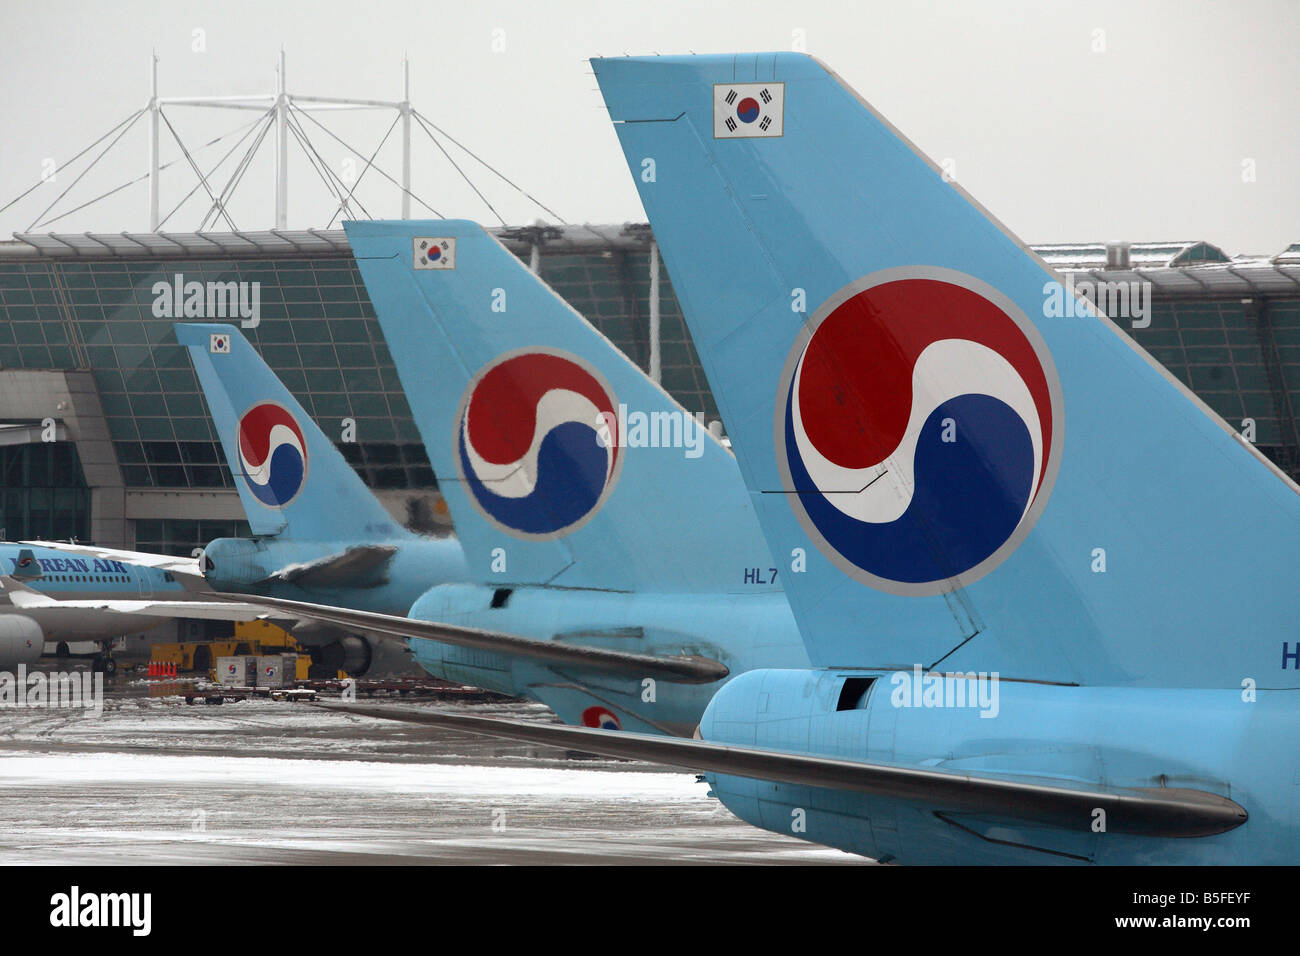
(741, 630)
(1231, 742)
(65, 576)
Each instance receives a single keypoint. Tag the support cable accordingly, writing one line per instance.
(378, 169)
(486, 165)
(248, 129)
(140, 179)
(237, 174)
(41, 182)
(332, 181)
(456, 166)
(80, 175)
(363, 172)
(197, 172)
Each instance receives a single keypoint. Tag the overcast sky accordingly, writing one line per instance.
(1071, 121)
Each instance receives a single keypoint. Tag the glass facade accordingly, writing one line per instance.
(44, 492)
(1243, 364)
(176, 536)
(319, 334)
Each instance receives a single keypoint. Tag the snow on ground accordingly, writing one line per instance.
(152, 780)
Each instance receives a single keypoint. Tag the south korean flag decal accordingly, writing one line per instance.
(219, 344)
(434, 253)
(746, 110)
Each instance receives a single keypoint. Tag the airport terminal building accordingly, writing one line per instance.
(105, 436)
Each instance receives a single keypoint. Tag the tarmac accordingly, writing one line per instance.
(151, 780)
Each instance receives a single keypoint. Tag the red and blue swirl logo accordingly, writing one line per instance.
(537, 442)
(600, 717)
(919, 423)
(273, 453)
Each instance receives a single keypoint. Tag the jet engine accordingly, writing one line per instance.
(357, 654)
(21, 640)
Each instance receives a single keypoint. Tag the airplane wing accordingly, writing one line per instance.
(1158, 812)
(350, 567)
(21, 596)
(681, 669)
(163, 562)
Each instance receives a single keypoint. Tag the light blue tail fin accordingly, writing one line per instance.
(26, 566)
(560, 461)
(291, 479)
(974, 477)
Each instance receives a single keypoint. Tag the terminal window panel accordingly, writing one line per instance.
(1285, 318)
(181, 537)
(1215, 348)
(682, 375)
(44, 492)
(318, 332)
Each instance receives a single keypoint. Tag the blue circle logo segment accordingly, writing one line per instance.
(537, 442)
(273, 452)
(919, 424)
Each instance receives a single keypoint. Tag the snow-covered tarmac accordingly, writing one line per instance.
(151, 780)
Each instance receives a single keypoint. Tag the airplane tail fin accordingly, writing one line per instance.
(560, 461)
(974, 469)
(291, 479)
(26, 566)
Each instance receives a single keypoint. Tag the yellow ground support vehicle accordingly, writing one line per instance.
(251, 638)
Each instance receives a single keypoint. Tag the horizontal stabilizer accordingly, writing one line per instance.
(359, 566)
(1157, 812)
(22, 596)
(684, 669)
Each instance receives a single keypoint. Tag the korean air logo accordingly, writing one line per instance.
(273, 453)
(919, 424)
(529, 443)
(600, 717)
